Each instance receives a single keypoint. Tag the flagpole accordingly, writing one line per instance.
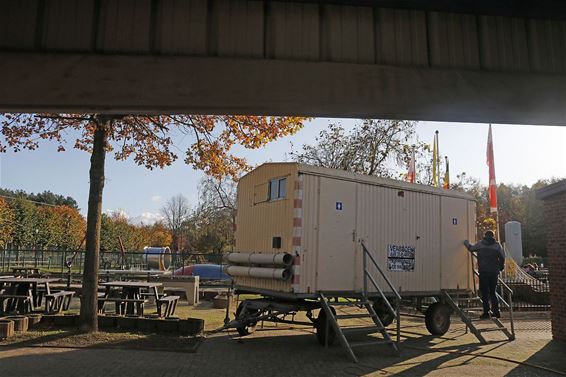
(492, 188)
(438, 158)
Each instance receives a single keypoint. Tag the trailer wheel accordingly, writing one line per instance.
(321, 333)
(243, 314)
(437, 318)
(383, 312)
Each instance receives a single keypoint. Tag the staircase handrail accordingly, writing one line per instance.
(366, 252)
(499, 280)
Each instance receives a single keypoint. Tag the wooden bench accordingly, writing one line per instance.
(121, 304)
(15, 301)
(174, 291)
(57, 301)
(170, 303)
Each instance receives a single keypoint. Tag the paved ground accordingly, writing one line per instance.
(284, 352)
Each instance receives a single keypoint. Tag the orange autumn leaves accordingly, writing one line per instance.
(148, 139)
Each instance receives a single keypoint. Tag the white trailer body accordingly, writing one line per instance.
(414, 232)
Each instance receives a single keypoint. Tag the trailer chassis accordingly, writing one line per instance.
(276, 307)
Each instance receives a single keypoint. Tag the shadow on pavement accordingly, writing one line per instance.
(271, 352)
(552, 356)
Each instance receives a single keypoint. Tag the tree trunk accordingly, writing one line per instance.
(89, 303)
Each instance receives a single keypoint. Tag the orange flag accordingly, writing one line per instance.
(492, 192)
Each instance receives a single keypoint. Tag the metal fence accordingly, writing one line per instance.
(63, 261)
(530, 293)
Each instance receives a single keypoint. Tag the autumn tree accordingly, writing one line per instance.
(47, 232)
(6, 223)
(515, 203)
(212, 223)
(156, 235)
(71, 227)
(147, 139)
(372, 147)
(176, 211)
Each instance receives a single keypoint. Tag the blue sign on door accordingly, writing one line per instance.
(339, 206)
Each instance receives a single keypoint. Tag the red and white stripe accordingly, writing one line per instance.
(492, 191)
(297, 233)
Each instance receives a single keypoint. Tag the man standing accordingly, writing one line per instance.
(491, 260)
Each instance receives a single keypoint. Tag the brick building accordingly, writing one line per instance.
(554, 197)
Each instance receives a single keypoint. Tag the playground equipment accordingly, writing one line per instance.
(157, 258)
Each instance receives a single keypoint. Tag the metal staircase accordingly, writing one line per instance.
(341, 324)
(505, 298)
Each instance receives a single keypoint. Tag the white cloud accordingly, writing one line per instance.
(156, 198)
(147, 218)
(117, 212)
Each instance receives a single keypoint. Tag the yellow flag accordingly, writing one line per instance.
(434, 160)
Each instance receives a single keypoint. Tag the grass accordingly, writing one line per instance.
(213, 318)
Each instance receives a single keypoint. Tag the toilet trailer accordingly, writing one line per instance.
(300, 230)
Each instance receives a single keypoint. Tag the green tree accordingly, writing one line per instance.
(47, 231)
(46, 197)
(24, 233)
(6, 223)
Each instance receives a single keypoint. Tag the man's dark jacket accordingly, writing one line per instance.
(491, 258)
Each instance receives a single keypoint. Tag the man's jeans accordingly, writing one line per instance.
(488, 284)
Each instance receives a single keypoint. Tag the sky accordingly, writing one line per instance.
(523, 155)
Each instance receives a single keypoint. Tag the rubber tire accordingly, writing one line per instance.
(321, 328)
(437, 319)
(383, 313)
(244, 330)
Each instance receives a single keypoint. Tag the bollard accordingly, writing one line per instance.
(6, 328)
(20, 322)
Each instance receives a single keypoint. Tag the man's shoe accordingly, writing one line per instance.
(496, 314)
(484, 316)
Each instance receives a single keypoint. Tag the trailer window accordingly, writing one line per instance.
(277, 189)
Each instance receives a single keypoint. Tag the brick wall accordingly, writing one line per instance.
(555, 221)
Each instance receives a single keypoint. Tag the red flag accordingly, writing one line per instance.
(492, 192)
(412, 170)
(447, 175)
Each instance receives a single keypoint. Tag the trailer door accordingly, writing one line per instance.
(337, 227)
(454, 256)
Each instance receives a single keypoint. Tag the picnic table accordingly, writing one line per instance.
(23, 295)
(25, 270)
(133, 294)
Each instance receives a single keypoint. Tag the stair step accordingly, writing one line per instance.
(369, 343)
(348, 303)
(348, 316)
(467, 299)
(492, 329)
(361, 330)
